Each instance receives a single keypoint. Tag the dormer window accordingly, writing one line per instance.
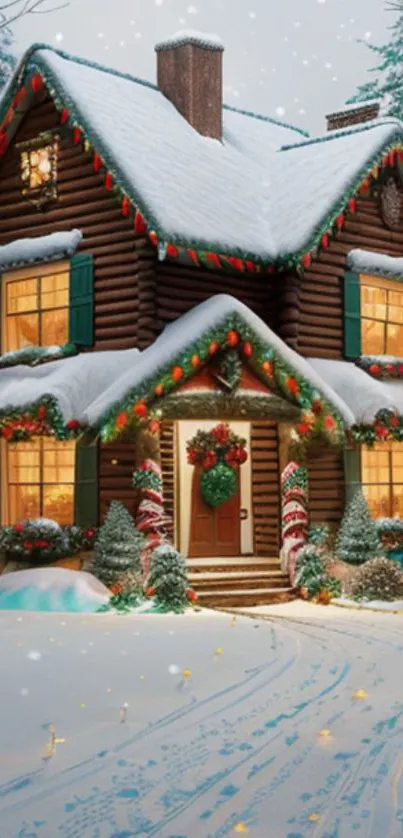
(39, 170)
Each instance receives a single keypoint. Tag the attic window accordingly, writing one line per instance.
(39, 170)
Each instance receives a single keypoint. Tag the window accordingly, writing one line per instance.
(36, 307)
(382, 478)
(39, 477)
(39, 170)
(381, 317)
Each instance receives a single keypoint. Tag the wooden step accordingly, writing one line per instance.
(247, 565)
(234, 581)
(244, 597)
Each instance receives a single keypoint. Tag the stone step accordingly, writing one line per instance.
(244, 597)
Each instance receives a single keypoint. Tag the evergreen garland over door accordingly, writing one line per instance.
(81, 314)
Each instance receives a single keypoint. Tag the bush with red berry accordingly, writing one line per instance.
(43, 540)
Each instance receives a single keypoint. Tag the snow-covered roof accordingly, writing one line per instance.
(183, 332)
(275, 191)
(366, 261)
(39, 249)
(363, 395)
(191, 36)
(73, 382)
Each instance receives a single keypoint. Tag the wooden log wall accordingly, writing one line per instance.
(116, 466)
(326, 489)
(265, 488)
(85, 203)
(320, 331)
(180, 288)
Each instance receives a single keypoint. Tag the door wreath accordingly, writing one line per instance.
(219, 453)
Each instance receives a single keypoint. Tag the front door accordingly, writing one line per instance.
(214, 532)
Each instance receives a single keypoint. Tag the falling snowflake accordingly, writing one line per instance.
(192, 10)
(158, 2)
(173, 669)
(24, 691)
(138, 35)
(328, 65)
(321, 2)
(101, 35)
(334, 78)
(182, 21)
(367, 36)
(280, 111)
(121, 43)
(252, 15)
(297, 24)
(34, 656)
(302, 111)
(305, 62)
(59, 37)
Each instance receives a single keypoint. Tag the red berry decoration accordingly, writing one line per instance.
(389, 368)
(76, 135)
(340, 221)
(213, 348)
(374, 369)
(154, 426)
(141, 410)
(125, 206)
(97, 162)
(395, 422)
(325, 240)
(140, 225)
(317, 407)
(195, 361)
(172, 251)
(64, 116)
(352, 205)
(41, 412)
(247, 349)
(292, 385)
(18, 527)
(268, 367)
(303, 428)
(108, 181)
(150, 592)
(307, 260)
(177, 373)
(72, 425)
(37, 82)
(158, 390)
(232, 338)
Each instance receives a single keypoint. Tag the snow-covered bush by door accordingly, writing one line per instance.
(39, 540)
(378, 579)
(358, 539)
(167, 581)
(312, 577)
(118, 546)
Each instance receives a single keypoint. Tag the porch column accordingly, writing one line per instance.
(294, 505)
(151, 519)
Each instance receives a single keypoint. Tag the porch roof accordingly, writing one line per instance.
(70, 383)
(363, 395)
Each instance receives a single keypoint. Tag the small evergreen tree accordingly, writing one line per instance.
(7, 58)
(168, 579)
(358, 541)
(387, 86)
(118, 546)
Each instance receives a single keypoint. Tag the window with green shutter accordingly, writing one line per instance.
(81, 319)
(352, 315)
(86, 489)
(352, 472)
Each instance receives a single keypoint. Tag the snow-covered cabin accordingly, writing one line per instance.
(258, 270)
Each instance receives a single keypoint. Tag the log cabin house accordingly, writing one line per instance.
(169, 264)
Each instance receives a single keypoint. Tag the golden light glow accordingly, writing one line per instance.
(36, 307)
(360, 694)
(40, 480)
(381, 317)
(382, 478)
(39, 171)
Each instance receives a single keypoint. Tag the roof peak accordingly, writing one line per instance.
(345, 132)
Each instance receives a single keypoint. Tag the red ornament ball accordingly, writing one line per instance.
(374, 369)
(247, 349)
(177, 373)
(213, 348)
(232, 338)
(141, 410)
(158, 390)
(18, 527)
(195, 361)
(268, 367)
(41, 412)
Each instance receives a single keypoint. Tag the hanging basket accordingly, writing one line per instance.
(218, 484)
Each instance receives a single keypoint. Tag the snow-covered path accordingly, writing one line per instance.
(238, 749)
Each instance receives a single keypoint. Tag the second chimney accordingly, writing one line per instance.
(354, 114)
(189, 74)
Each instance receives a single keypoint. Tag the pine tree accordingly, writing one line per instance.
(7, 59)
(358, 541)
(118, 546)
(388, 85)
(168, 579)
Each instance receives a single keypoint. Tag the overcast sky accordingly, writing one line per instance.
(294, 59)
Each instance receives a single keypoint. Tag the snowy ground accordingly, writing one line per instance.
(238, 750)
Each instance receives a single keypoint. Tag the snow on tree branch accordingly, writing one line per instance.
(12, 10)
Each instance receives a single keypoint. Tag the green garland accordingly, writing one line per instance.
(34, 355)
(388, 425)
(317, 415)
(380, 368)
(145, 478)
(40, 418)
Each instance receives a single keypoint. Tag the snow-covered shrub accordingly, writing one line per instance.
(312, 576)
(118, 546)
(380, 579)
(358, 539)
(38, 540)
(167, 581)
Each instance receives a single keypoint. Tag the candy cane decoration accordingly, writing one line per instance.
(294, 515)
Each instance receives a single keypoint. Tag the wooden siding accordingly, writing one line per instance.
(180, 288)
(116, 466)
(168, 457)
(321, 295)
(265, 488)
(326, 489)
(85, 203)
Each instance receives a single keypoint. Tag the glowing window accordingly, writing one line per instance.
(40, 480)
(36, 307)
(382, 478)
(39, 170)
(381, 317)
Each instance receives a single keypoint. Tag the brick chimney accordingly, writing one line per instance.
(354, 114)
(189, 74)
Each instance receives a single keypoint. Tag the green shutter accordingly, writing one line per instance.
(352, 472)
(352, 316)
(86, 485)
(81, 314)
